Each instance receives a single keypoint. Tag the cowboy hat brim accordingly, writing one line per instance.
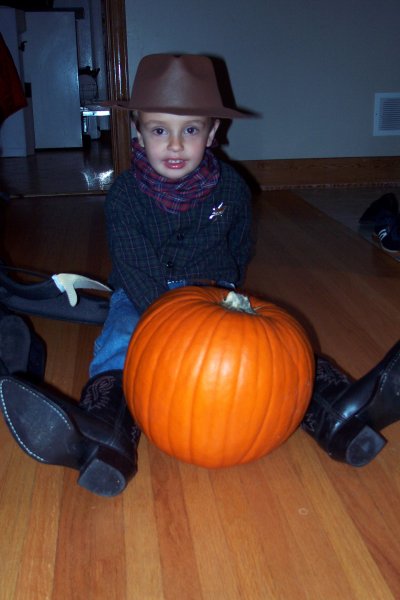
(217, 112)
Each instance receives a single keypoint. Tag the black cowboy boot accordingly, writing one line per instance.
(98, 437)
(21, 349)
(345, 417)
(103, 398)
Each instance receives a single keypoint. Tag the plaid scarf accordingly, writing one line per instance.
(175, 196)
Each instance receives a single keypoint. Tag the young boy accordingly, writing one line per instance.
(179, 216)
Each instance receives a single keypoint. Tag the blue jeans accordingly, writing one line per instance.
(111, 346)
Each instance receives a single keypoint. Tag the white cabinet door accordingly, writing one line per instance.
(51, 66)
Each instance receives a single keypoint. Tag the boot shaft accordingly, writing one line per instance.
(330, 382)
(329, 385)
(103, 398)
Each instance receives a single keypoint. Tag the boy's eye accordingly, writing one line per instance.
(192, 130)
(158, 131)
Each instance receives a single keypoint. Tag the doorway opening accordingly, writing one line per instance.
(92, 167)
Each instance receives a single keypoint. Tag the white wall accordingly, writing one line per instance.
(89, 38)
(91, 51)
(311, 67)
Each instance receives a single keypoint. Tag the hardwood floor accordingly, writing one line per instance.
(293, 525)
(64, 171)
(347, 204)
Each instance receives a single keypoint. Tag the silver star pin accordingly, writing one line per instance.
(217, 211)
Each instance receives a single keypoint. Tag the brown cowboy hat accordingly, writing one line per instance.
(180, 85)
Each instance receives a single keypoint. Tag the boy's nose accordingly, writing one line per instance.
(175, 143)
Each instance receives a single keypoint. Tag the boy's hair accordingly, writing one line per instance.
(135, 119)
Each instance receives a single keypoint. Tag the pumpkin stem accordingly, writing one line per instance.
(238, 302)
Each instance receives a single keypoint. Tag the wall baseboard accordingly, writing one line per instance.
(381, 171)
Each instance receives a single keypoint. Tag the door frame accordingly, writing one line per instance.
(118, 82)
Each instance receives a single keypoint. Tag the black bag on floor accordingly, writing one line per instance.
(54, 296)
(21, 349)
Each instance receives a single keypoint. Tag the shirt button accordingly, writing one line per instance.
(169, 264)
(180, 236)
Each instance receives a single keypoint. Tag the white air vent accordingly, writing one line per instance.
(387, 114)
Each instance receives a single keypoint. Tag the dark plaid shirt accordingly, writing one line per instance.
(150, 246)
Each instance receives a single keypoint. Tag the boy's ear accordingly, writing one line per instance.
(212, 133)
(140, 138)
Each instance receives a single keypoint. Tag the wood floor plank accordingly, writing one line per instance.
(256, 581)
(91, 562)
(38, 557)
(178, 561)
(143, 556)
(15, 507)
(218, 576)
(367, 495)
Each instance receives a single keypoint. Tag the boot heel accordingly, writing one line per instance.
(356, 443)
(106, 473)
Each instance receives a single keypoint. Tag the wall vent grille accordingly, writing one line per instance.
(387, 114)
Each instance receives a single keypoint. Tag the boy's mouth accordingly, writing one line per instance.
(175, 163)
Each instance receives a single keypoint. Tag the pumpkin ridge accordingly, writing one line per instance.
(195, 332)
(290, 376)
(306, 377)
(258, 413)
(273, 334)
(296, 336)
(152, 323)
(249, 449)
(234, 400)
(216, 316)
(174, 395)
(157, 318)
(271, 379)
(161, 346)
(254, 415)
(243, 365)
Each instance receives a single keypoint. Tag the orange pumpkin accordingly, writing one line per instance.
(215, 378)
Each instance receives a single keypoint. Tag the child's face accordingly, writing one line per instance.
(175, 144)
